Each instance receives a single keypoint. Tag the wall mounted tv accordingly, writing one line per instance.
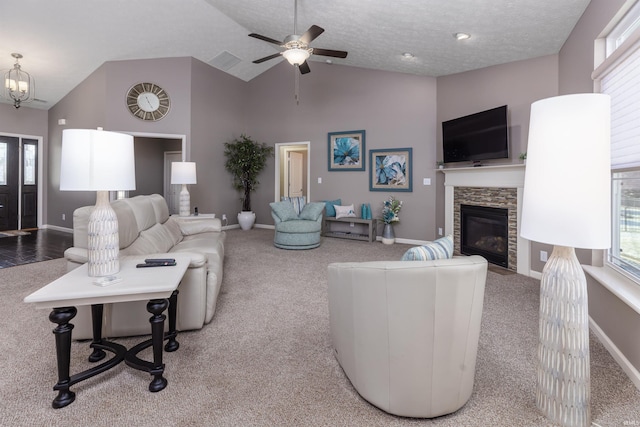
(479, 136)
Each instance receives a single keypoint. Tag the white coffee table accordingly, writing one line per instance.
(158, 285)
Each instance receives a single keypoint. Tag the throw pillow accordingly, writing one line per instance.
(344, 211)
(330, 210)
(438, 249)
(298, 203)
(312, 211)
(284, 210)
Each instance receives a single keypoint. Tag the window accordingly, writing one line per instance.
(619, 76)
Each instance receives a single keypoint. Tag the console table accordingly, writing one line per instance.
(363, 229)
(156, 284)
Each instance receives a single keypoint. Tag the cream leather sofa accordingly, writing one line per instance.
(145, 228)
(406, 332)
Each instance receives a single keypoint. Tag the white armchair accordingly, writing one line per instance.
(406, 332)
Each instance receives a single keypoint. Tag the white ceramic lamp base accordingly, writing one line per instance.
(563, 384)
(103, 240)
(185, 201)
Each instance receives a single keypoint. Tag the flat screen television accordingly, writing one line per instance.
(479, 136)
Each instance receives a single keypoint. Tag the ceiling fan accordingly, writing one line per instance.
(296, 47)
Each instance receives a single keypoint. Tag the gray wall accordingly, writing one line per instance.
(396, 110)
(150, 163)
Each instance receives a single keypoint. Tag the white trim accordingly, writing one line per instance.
(615, 352)
(186, 151)
(57, 228)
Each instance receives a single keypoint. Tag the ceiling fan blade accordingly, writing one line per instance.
(265, 38)
(266, 58)
(329, 52)
(311, 34)
(304, 68)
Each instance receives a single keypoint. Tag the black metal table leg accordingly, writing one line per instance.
(96, 323)
(61, 316)
(172, 344)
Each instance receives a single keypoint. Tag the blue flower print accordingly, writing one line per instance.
(346, 151)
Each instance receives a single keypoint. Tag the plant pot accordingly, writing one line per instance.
(246, 219)
(388, 236)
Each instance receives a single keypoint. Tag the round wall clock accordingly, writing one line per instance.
(148, 101)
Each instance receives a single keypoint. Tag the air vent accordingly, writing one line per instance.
(225, 61)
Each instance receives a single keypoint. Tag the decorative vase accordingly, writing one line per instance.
(388, 237)
(246, 219)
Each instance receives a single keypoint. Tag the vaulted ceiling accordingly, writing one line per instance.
(64, 41)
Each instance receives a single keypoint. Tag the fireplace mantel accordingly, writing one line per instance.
(503, 176)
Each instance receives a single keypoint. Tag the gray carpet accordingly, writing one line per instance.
(266, 358)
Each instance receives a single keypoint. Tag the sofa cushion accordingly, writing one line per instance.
(330, 210)
(197, 226)
(143, 210)
(173, 228)
(297, 202)
(160, 208)
(312, 211)
(284, 210)
(438, 249)
(155, 239)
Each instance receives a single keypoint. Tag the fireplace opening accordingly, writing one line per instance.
(485, 231)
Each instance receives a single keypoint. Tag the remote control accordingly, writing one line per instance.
(159, 260)
(155, 264)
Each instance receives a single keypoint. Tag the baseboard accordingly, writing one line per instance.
(535, 274)
(267, 226)
(406, 241)
(617, 355)
(57, 228)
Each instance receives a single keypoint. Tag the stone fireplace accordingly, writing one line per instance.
(484, 230)
(497, 187)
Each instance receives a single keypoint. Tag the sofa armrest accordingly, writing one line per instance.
(77, 255)
(191, 226)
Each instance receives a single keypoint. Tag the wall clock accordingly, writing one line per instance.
(148, 101)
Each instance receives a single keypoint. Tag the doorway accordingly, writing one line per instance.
(20, 176)
(292, 175)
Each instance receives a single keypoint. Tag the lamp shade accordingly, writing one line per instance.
(183, 173)
(567, 185)
(96, 160)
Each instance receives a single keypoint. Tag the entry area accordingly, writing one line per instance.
(18, 183)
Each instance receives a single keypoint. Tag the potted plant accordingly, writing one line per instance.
(523, 157)
(246, 158)
(390, 209)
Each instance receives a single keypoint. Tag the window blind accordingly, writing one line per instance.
(622, 83)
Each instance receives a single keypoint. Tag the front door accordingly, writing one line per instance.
(29, 191)
(9, 181)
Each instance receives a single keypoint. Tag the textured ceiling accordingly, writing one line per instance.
(64, 41)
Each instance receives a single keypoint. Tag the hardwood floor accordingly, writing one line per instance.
(39, 245)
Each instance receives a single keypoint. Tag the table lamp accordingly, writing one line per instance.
(184, 173)
(101, 161)
(566, 203)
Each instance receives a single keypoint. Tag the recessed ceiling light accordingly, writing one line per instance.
(462, 36)
(407, 55)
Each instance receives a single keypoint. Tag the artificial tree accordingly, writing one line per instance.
(246, 158)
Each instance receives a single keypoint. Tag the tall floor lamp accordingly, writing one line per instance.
(184, 173)
(101, 161)
(566, 203)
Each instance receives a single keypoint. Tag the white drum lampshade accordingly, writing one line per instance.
(101, 161)
(184, 173)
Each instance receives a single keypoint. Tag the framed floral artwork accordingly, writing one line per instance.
(346, 151)
(391, 170)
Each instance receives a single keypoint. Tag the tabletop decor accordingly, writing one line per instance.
(390, 209)
(346, 150)
(391, 170)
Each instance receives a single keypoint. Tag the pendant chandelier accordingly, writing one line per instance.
(19, 86)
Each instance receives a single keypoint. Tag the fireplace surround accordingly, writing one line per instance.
(495, 186)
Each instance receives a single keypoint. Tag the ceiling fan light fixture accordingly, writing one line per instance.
(462, 36)
(296, 56)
